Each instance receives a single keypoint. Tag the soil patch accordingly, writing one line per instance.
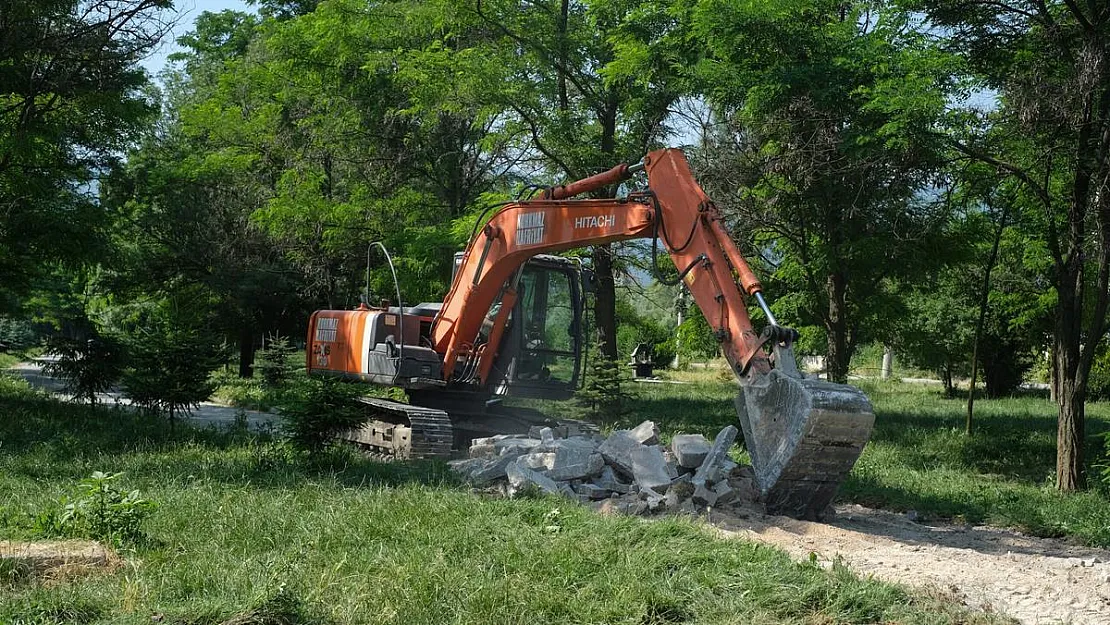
(1034, 580)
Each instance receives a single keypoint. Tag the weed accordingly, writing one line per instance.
(100, 511)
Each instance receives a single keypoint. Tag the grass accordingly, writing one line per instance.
(919, 458)
(248, 527)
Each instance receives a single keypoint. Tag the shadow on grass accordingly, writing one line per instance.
(45, 438)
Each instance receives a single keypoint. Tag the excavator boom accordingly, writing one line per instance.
(803, 435)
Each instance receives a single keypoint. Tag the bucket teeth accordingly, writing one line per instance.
(804, 436)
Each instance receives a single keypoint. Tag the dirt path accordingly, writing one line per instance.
(1035, 580)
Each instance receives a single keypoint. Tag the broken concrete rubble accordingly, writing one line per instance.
(650, 469)
(710, 468)
(620, 470)
(521, 477)
(617, 451)
(689, 450)
(646, 433)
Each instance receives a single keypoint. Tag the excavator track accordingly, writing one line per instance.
(402, 431)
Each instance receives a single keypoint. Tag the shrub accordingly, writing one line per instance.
(170, 356)
(272, 361)
(88, 367)
(602, 396)
(317, 409)
(17, 334)
(100, 511)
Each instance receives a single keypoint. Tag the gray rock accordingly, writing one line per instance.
(515, 446)
(717, 456)
(704, 496)
(690, 450)
(521, 477)
(723, 470)
(608, 479)
(547, 437)
(617, 450)
(724, 492)
(646, 433)
(654, 499)
(482, 471)
(566, 460)
(538, 460)
(592, 491)
(650, 469)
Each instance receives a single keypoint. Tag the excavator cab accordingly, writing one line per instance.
(541, 353)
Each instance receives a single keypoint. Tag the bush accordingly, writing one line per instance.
(272, 361)
(88, 367)
(100, 511)
(17, 334)
(317, 409)
(602, 397)
(696, 339)
(170, 356)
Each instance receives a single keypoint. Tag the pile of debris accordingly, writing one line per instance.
(630, 469)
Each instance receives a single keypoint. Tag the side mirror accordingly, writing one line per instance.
(589, 281)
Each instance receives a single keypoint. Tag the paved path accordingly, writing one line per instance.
(208, 413)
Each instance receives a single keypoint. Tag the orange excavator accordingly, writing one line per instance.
(512, 324)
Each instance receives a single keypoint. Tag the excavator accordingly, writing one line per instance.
(512, 325)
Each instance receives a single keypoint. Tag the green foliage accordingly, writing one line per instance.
(88, 366)
(100, 510)
(171, 352)
(272, 362)
(318, 408)
(1099, 384)
(604, 396)
(17, 334)
(634, 329)
(695, 338)
(71, 100)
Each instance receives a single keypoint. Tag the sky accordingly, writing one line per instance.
(184, 13)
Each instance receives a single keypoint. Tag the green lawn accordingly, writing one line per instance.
(246, 526)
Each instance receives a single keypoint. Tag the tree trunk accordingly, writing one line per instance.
(946, 378)
(605, 301)
(836, 328)
(1070, 380)
(1069, 437)
(984, 297)
(605, 297)
(246, 352)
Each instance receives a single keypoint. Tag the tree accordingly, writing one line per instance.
(1049, 63)
(72, 98)
(581, 117)
(834, 194)
(172, 349)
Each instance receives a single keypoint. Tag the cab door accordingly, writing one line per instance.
(542, 354)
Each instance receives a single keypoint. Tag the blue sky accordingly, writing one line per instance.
(185, 12)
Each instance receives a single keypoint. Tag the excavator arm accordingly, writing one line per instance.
(803, 435)
(675, 209)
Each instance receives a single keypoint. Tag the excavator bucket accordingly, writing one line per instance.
(803, 435)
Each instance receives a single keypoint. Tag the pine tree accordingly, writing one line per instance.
(602, 397)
